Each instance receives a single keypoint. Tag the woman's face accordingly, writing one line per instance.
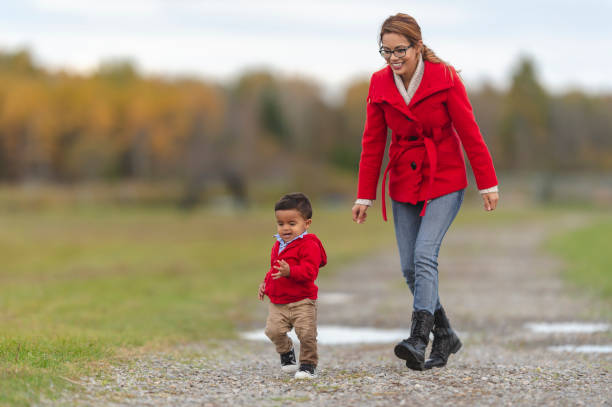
(394, 44)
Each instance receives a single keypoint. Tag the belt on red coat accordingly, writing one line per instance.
(432, 156)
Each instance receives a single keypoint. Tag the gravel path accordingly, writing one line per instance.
(493, 282)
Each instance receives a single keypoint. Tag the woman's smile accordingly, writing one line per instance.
(396, 66)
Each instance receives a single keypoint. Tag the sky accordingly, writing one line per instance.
(332, 42)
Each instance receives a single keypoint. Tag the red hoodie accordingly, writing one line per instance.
(304, 256)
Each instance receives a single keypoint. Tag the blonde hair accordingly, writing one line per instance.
(406, 25)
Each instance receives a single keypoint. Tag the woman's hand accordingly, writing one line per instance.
(359, 213)
(490, 201)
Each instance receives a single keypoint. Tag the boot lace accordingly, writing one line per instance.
(418, 332)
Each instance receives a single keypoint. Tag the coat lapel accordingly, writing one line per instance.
(390, 94)
(436, 78)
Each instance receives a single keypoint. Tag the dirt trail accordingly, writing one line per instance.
(492, 282)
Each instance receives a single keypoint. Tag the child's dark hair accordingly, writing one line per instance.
(295, 200)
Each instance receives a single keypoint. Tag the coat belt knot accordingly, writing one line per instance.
(432, 155)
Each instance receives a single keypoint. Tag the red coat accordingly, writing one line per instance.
(425, 156)
(304, 255)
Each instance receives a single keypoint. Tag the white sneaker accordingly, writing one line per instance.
(289, 368)
(307, 371)
(288, 364)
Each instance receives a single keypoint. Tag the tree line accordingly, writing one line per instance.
(116, 123)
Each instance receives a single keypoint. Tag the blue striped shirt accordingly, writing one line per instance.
(282, 242)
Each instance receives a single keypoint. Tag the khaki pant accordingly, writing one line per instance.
(301, 315)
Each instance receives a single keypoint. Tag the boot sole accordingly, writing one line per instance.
(411, 360)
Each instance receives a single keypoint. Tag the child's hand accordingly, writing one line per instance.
(283, 269)
(262, 289)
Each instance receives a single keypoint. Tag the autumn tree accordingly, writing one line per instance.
(526, 123)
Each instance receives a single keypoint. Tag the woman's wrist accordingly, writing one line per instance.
(367, 202)
(489, 190)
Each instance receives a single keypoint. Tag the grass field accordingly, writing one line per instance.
(79, 287)
(83, 286)
(587, 252)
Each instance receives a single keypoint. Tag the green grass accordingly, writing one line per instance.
(587, 252)
(79, 287)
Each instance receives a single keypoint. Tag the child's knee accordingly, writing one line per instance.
(274, 332)
(306, 333)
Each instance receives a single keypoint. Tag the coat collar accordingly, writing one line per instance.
(408, 92)
(435, 79)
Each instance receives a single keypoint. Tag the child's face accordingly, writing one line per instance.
(290, 223)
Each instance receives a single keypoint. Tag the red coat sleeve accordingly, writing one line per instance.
(309, 262)
(372, 149)
(273, 252)
(460, 111)
(272, 257)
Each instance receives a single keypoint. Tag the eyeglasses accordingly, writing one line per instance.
(399, 52)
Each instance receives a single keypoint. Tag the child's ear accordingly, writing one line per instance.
(308, 222)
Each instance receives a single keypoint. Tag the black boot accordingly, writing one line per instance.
(412, 350)
(445, 341)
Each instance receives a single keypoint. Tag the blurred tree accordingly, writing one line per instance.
(582, 125)
(312, 123)
(19, 62)
(25, 154)
(525, 125)
(117, 71)
(346, 149)
(272, 117)
(206, 151)
(488, 103)
(525, 133)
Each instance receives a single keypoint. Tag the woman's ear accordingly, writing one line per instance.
(419, 46)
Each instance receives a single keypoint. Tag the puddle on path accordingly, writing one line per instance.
(334, 298)
(341, 335)
(567, 327)
(582, 348)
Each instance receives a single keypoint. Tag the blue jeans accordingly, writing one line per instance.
(419, 239)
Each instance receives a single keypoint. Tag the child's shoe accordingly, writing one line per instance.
(307, 371)
(288, 364)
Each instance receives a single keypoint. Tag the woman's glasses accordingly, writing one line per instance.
(399, 52)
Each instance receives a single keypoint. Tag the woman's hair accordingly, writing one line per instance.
(407, 26)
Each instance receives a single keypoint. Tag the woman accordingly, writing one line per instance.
(424, 103)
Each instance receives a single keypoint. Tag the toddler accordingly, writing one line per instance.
(290, 285)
